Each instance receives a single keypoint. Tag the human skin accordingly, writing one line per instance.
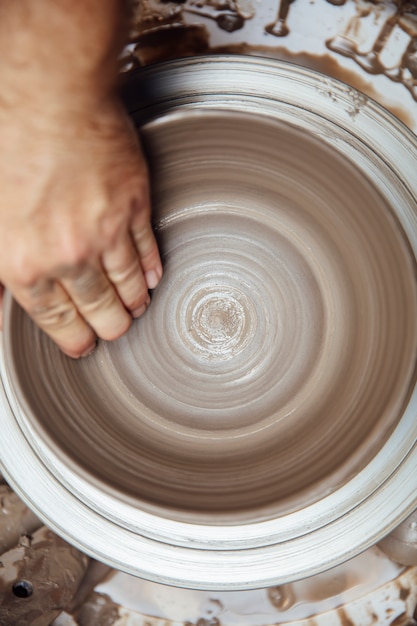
(77, 249)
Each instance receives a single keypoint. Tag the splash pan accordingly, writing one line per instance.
(257, 424)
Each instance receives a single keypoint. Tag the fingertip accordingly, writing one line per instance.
(153, 275)
(109, 331)
(81, 351)
(89, 351)
(139, 311)
(152, 279)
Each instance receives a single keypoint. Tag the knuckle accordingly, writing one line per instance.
(136, 299)
(144, 240)
(140, 204)
(124, 274)
(89, 286)
(23, 272)
(100, 296)
(72, 256)
(141, 212)
(110, 227)
(73, 248)
(53, 316)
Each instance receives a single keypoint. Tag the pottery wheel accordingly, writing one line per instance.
(278, 354)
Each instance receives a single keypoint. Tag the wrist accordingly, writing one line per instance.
(59, 56)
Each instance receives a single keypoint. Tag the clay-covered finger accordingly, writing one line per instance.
(148, 251)
(51, 308)
(124, 271)
(98, 302)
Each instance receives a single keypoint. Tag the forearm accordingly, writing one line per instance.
(59, 51)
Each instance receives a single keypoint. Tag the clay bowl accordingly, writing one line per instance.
(257, 425)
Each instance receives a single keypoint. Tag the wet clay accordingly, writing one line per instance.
(278, 351)
(96, 573)
(404, 18)
(15, 519)
(38, 579)
(98, 609)
(282, 597)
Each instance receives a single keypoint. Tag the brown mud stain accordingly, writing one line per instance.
(281, 597)
(404, 593)
(344, 618)
(39, 579)
(161, 33)
(279, 28)
(212, 621)
(168, 43)
(99, 609)
(403, 620)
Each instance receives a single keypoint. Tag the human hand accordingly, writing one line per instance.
(77, 249)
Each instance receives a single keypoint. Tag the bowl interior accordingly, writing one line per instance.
(278, 351)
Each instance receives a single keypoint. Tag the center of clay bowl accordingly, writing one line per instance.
(278, 351)
(216, 324)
